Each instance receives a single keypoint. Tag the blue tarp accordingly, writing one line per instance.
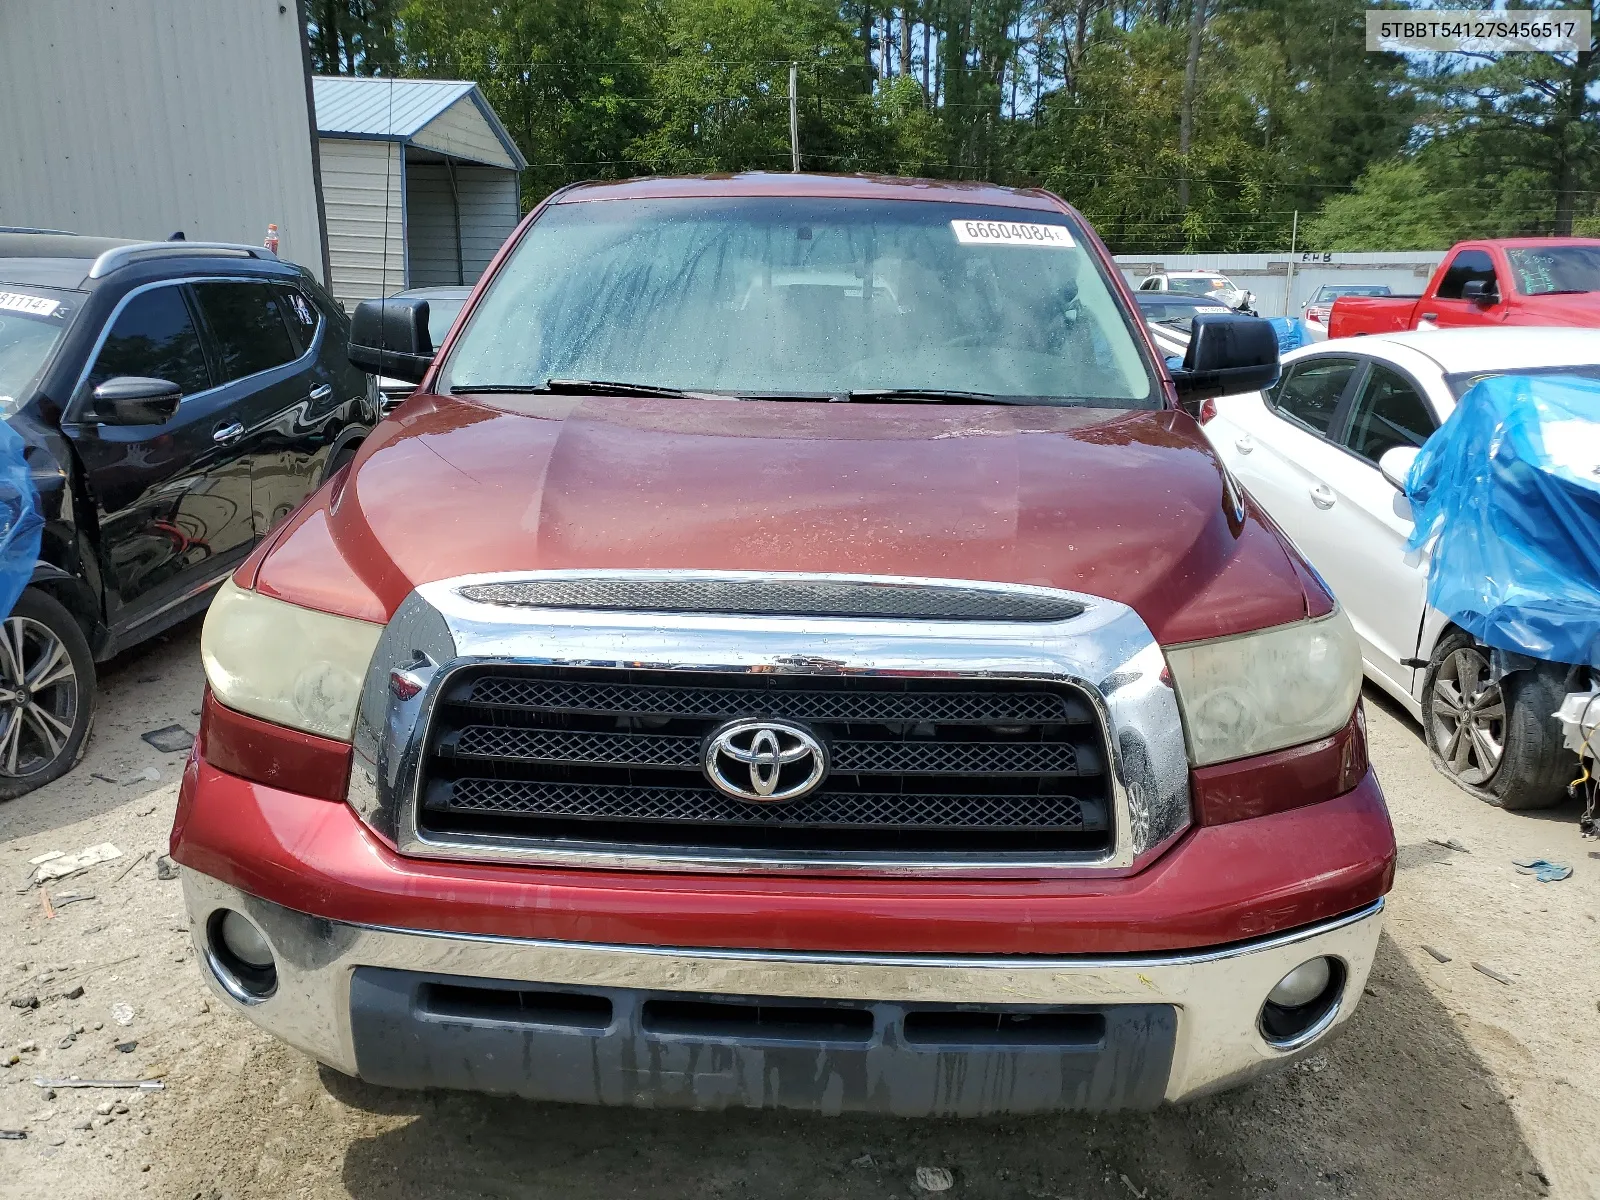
(1291, 333)
(20, 522)
(1508, 489)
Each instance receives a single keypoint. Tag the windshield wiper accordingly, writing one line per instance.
(935, 395)
(583, 387)
(1565, 292)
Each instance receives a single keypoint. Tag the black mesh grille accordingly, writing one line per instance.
(613, 758)
(867, 809)
(876, 757)
(796, 597)
(796, 704)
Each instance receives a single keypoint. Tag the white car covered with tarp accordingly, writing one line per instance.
(1447, 486)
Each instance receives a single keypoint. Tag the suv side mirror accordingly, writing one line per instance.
(135, 400)
(1394, 464)
(1228, 354)
(1481, 291)
(390, 337)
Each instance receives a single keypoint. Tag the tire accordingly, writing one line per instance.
(43, 731)
(340, 461)
(1507, 750)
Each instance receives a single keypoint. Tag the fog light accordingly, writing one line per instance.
(1302, 985)
(240, 957)
(246, 944)
(1303, 1004)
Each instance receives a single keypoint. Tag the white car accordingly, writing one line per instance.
(1325, 452)
(1200, 283)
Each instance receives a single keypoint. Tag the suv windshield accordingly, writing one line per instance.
(32, 323)
(1165, 309)
(1548, 270)
(804, 297)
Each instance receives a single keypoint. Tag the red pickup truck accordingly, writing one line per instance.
(795, 648)
(1509, 281)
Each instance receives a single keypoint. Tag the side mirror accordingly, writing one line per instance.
(1480, 291)
(390, 337)
(1227, 354)
(135, 400)
(1395, 464)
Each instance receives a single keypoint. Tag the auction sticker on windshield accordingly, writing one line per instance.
(34, 306)
(1011, 233)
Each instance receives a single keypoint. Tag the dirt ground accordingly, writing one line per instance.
(1446, 1083)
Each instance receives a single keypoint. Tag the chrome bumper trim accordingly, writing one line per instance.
(1218, 992)
(1105, 652)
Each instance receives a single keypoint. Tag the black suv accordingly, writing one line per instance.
(176, 400)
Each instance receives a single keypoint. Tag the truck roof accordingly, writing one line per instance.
(839, 187)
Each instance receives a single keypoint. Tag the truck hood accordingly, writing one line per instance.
(1125, 505)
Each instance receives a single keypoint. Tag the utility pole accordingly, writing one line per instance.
(794, 115)
(1288, 287)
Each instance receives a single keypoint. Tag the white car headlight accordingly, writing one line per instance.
(1266, 690)
(286, 664)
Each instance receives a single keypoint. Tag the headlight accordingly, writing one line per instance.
(286, 664)
(1264, 691)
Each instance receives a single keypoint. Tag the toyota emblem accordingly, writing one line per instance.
(765, 761)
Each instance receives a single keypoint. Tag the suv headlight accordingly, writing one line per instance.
(1266, 690)
(286, 664)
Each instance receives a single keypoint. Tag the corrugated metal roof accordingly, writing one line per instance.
(382, 108)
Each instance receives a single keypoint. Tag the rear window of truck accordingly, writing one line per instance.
(795, 297)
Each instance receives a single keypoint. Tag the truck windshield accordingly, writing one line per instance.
(1191, 286)
(32, 322)
(806, 298)
(1334, 291)
(1553, 270)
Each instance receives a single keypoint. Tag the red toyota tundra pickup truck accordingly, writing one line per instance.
(794, 649)
(1511, 281)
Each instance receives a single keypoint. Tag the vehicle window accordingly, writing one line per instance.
(154, 336)
(1178, 311)
(1389, 413)
(1334, 291)
(247, 322)
(1461, 384)
(33, 321)
(1311, 392)
(1555, 270)
(794, 296)
(1199, 287)
(1152, 284)
(302, 314)
(1465, 267)
(442, 313)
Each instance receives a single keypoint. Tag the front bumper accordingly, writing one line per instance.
(366, 1000)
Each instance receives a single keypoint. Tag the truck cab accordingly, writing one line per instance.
(1508, 281)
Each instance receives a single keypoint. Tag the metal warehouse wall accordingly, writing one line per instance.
(1268, 275)
(490, 210)
(143, 117)
(364, 186)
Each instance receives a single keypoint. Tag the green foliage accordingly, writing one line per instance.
(1291, 114)
(1395, 206)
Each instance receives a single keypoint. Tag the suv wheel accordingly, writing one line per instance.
(47, 687)
(1495, 738)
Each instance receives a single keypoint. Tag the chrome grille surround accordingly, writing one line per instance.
(1105, 652)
